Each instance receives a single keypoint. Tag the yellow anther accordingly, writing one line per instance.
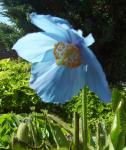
(67, 55)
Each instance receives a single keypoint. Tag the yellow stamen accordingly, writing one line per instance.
(67, 55)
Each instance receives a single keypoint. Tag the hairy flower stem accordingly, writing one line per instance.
(76, 131)
(84, 119)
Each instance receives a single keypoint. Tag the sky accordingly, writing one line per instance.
(2, 18)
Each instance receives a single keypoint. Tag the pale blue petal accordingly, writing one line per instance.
(80, 32)
(57, 84)
(48, 56)
(74, 37)
(46, 23)
(65, 26)
(95, 77)
(89, 39)
(78, 36)
(61, 22)
(39, 69)
(35, 46)
(54, 36)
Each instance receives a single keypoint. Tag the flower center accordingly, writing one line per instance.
(67, 55)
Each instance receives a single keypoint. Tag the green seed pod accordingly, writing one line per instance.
(22, 132)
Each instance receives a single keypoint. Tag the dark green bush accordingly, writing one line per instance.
(15, 95)
(8, 36)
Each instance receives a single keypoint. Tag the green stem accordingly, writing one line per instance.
(76, 131)
(84, 119)
(97, 136)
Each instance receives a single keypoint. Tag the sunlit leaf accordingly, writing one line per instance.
(118, 130)
(59, 137)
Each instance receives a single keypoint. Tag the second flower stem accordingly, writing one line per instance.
(84, 119)
(76, 131)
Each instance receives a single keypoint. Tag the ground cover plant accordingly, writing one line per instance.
(46, 131)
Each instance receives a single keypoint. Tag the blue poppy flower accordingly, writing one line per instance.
(62, 63)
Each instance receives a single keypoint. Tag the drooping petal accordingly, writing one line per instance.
(55, 37)
(65, 26)
(35, 46)
(47, 23)
(95, 77)
(77, 38)
(56, 84)
(89, 40)
(61, 22)
(39, 69)
(74, 36)
(80, 32)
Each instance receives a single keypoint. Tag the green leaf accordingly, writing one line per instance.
(118, 130)
(101, 135)
(22, 132)
(59, 137)
(61, 123)
(115, 98)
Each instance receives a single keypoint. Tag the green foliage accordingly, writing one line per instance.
(118, 131)
(116, 95)
(115, 138)
(15, 10)
(96, 109)
(8, 124)
(117, 134)
(15, 95)
(34, 131)
(8, 36)
(50, 132)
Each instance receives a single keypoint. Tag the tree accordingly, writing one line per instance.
(8, 35)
